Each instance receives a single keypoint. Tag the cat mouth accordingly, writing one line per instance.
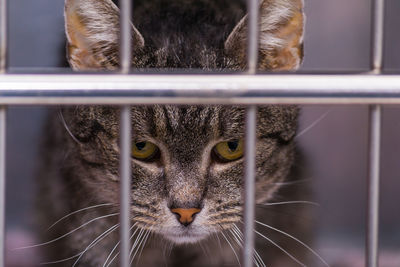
(185, 236)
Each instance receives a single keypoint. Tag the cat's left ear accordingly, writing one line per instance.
(280, 40)
(93, 34)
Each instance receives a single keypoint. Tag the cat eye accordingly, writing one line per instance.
(144, 150)
(229, 150)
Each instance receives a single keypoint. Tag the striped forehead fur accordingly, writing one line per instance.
(198, 117)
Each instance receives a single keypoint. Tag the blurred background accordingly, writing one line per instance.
(337, 39)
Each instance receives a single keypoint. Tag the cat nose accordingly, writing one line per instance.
(186, 216)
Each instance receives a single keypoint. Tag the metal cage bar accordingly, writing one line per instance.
(3, 112)
(2, 181)
(125, 184)
(253, 7)
(377, 35)
(206, 89)
(373, 186)
(3, 35)
(125, 36)
(249, 185)
(199, 89)
(375, 117)
(251, 114)
(125, 135)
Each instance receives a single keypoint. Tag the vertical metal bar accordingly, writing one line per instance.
(2, 181)
(3, 65)
(252, 35)
(125, 135)
(250, 149)
(373, 186)
(377, 35)
(375, 116)
(125, 43)
(249, 196)
(3, 35)
(125, 182)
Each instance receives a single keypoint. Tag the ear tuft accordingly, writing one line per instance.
(281, 36)
(92, 29)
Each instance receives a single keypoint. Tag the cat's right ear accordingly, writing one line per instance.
(280, 36)
(93, 33)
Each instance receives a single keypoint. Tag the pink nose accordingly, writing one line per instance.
(186, 215)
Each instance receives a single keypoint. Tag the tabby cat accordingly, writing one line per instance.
(187, 161)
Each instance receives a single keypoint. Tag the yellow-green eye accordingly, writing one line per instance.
(144, 150)
(229, 150)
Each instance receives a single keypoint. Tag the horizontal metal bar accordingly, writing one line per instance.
(199, 89)
(201, 85)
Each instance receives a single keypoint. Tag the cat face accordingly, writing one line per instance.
(183, 157)
(187, 161)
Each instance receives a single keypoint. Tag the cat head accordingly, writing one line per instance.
(187, 161)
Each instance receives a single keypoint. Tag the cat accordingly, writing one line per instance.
(187, 161)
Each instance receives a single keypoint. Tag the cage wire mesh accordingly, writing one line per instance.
(370, 87)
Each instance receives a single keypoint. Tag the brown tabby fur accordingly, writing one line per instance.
(82, 148)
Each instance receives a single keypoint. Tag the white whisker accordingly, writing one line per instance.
(144, 244)
(164, 250)
(137, 240)
(239, 241)
(312, 125)
(290, 202)
(136, 246)
(77, 211)
(260, 260)
(296, 239)
(306, 180)
(235, 237)
(170, 247)
(202, 249)
(67, 128)
(229, 243)
(92, 244)
(70, 232)
(109, 255)
(256, 257)
(115, 247)
(282, 249)
(219, 242)
(143, 241)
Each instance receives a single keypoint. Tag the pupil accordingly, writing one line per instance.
(233, 145)
(140, 145)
